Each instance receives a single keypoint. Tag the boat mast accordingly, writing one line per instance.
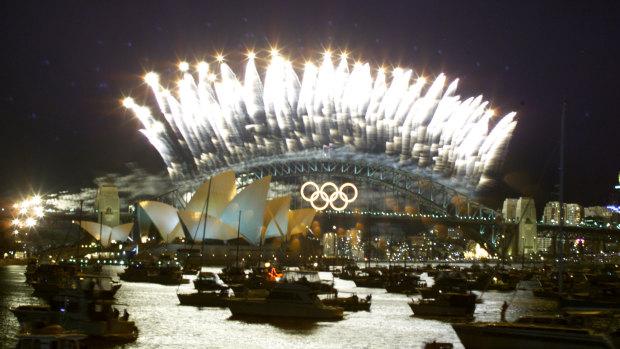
(204, 229)
(238, 233)
(561, 198)
(77, 256)
(100, 235)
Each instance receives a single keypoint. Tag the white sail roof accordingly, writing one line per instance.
(223, 190)
(106, 234)
(276, 217)
(299, 220)
(121, 232)
(215, 228)
(250, 203)
(165, 219)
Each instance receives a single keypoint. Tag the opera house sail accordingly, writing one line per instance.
(228, 214)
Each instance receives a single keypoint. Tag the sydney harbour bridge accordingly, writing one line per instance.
(392, 204)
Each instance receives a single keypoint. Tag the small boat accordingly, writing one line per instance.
(373, 278)
(438, 345)
(446, 305)
(50, 278)
(289, 300)
(90, 285)
(51, 337)
(165, 273)
(446, 282)
(404, 283)
(94, 317)
(578, 330)
(352, 303)
(205, 298)
(208, 281)
(309, 278)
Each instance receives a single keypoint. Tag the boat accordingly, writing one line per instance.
(575, 330)
(165, 273)
(310, 278)
(206, 298)
(352, 303)
(289, 300)
(51, 337)
(90, 285)
(211, 291)
(208, 281)
(445, 305)
(405, 283)
(438, 345)
(94, 317)
(370, 277)
(49, 278)
(446, 282)
(610, 300)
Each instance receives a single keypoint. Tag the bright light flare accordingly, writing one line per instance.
(128, 103)
(151, 79)
(251, 55)
(38, 211)
(30, 222)
(183, 66)
(202, 67)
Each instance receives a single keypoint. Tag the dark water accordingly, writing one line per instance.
(163, 323)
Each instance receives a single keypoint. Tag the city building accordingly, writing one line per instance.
(598, 213)
(574, 214)
(551, 212)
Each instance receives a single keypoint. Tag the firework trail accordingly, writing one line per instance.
(214, 121)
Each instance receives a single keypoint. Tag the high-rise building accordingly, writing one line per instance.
(598, 213)
(551, 212)
(574, 214)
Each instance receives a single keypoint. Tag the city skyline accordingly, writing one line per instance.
(71, 64)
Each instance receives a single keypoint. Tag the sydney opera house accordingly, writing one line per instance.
(217, 214)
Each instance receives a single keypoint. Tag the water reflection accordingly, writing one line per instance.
(296, 326)
(163, 322)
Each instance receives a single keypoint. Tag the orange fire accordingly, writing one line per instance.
(273, 274)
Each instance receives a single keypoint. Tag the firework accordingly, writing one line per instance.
(214, 121)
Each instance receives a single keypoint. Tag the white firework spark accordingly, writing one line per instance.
(214, 122)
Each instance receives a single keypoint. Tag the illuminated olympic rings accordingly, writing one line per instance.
(329, 199)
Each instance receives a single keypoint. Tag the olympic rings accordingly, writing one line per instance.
(329, 199)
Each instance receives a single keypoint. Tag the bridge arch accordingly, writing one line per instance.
(430, 197)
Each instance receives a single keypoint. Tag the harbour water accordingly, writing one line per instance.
(163, 323)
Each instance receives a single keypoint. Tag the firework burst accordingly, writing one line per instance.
(211, 121)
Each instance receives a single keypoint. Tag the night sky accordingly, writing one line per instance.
(67, 65)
